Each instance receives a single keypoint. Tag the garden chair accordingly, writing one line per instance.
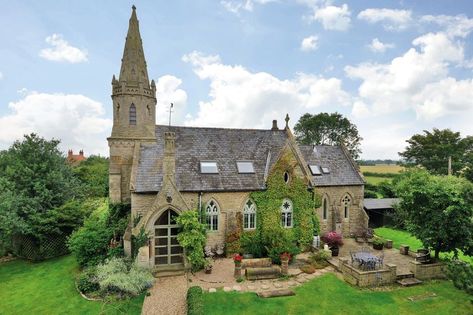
(208, 251)
(381, 260)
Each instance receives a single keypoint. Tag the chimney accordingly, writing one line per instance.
(69, 153)
(81, 152)
(169, 162)
(275, 125)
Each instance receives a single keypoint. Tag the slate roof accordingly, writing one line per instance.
(377, 204)
(225, 146)
(342, 172)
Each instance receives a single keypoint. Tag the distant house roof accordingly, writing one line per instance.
(75, 158)
(226, 147)
(377, 204)
(341, 170)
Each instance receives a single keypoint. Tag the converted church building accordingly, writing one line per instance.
(165, 170)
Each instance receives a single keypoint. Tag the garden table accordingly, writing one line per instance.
(366, 260)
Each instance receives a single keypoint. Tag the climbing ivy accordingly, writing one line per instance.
(192, 238)
(276, 239)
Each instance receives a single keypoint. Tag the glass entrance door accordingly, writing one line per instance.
(166, 247)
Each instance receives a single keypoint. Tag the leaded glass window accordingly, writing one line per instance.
(249, 215)
(286, 213)
(212, 211)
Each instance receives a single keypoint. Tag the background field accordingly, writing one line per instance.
(369, 172)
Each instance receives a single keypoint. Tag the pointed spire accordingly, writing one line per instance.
(133, 70)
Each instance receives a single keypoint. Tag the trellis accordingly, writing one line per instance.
(33, 248)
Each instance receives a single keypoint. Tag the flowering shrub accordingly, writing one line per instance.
(237, 258)
(332, 239)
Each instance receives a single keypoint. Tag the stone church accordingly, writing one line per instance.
(165, 170)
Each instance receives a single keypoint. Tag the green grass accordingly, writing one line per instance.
(403, 237)
(373, 180)
(330, 295)
(49, 288)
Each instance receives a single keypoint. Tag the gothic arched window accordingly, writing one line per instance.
(249, 215)
(132, 114)
(286, 213)
(325, 209)
(212, 211)
(346, 201)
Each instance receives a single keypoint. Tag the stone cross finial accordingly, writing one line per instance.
(287, 121)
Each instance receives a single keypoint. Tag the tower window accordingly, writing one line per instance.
(132, 114)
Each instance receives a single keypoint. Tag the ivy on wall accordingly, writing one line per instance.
(275, 238)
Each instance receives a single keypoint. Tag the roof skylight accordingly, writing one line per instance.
(208, 167)
(245, 167)
(315, 170)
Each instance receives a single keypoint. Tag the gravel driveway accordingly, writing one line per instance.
(168, 297)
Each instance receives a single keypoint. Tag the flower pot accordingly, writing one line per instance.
(378, 246)
(335, 250)
(208, 271)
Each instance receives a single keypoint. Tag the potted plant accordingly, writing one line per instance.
(378, 243)
(237, 258)
(208, 265)
(285, 257)
(334, 240)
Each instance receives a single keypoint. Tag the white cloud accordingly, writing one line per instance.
(1, 75)
(309, 43)
(235, 6)
(240, 98)
(418, 80)
(459, 25)
(378, 47)
(168, 91)
(333, 17)
(78, 121)
(392, 19)
(62, 51)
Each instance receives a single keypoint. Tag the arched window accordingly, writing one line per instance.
(324, 209)
(212, 212)
(132, 114)
(286, 213)
(346, 201)
(249, 215)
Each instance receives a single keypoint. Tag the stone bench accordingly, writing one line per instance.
(260, 273)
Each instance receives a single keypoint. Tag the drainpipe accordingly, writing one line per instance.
(200, 206)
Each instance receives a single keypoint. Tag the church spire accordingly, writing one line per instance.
(133, 70)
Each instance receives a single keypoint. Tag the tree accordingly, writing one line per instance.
(93, 173)
(433, 149)
(438, 210)
(330, 129)
(34, 180)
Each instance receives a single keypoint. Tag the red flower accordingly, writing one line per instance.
(237, 258)
(285, 256)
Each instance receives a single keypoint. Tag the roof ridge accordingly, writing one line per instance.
(221, 128)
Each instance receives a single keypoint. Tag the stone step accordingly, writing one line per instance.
(170, 273)
(404, 275)
(407, 282)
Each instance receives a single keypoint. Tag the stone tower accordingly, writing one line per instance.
(134, 112)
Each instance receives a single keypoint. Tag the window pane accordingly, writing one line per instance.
(252, 221)
(289, 220)
(208, 167)
(161, 261)
(161, 232)
(215, 222)
(245, 221)
(176, 250)
(283, 219)
(161, 241)
(176, 259)
(162, 250)
(245, 167)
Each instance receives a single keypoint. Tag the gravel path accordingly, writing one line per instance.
(168, 297)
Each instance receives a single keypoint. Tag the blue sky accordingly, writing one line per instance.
(392, 67)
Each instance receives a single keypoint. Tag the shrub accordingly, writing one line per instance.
(195, 303)
(87, 281)
(281, 242)
(379, 241)
(251, 243)
(118, 276)
(370, 194)
(138, 241)
(319, 256)
(461, 273)
(332, 239)
(192, 238)
(308, 269)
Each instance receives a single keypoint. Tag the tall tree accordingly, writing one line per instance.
(93, 172)
(433, 149)
(330, 129)
(438, 210)
(34, 180)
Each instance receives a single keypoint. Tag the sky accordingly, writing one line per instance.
(394, 68)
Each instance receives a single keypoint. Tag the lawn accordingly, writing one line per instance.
(330, 295)
(403, 237)
(374, 180)
(49, 288)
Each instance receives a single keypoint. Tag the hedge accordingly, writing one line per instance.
(195, 302)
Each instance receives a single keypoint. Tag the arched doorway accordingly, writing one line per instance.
(167, 251)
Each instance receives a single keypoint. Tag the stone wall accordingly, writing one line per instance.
(360, 278)
(427, 271)
(357, 217)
